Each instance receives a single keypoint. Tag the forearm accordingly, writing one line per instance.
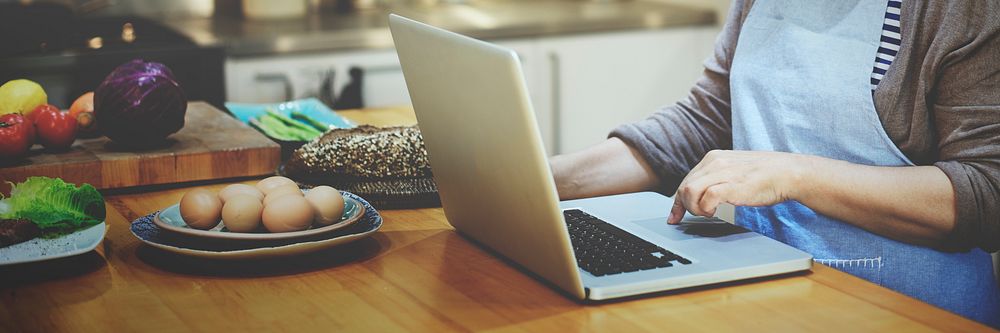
(914, 204)
(611, 167)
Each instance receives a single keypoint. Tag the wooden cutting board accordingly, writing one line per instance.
(212, 145)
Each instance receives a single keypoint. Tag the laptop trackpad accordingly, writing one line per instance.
(720, 231)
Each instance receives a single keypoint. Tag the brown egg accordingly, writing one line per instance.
(201, 209)
(267, 184)
(287, 213)
(242, 213)
(328, 204)
(236, 189)
(293, 188)
(282, 191)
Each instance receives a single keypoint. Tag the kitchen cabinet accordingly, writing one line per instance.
(581, 85)
(596, 82)
(321, 75)
(279, 78)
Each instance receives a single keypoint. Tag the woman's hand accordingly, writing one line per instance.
(741, 178)
(913, 204)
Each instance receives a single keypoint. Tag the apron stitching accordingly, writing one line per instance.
(875, 262)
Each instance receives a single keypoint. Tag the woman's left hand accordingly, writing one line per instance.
(741, 178)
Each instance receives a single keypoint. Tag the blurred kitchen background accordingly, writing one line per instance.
(590, 64)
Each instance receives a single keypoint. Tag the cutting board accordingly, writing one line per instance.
(212, 145)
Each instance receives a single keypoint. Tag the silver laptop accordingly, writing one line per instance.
(496, 187)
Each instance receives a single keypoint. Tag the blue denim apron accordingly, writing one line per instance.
(800, 84)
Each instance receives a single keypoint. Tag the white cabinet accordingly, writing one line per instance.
(581, 86)
(272, 79)
(597, 82)
(278, 78)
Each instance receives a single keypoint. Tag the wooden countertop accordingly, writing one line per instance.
(415, 274)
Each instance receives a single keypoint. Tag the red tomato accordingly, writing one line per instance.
(56, 129)
(16, 136)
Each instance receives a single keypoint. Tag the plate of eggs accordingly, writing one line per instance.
(273, 208)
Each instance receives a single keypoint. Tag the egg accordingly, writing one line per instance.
(267, 184)
(236, 189)
(281, 191)
(242, 212)
(292, 188)
(287, 213)
(201, 209)
(328, 204)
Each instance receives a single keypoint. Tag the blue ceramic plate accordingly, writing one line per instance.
(170, 219)
(310, 106)
(146, 231)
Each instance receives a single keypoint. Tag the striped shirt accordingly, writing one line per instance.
(889, 44)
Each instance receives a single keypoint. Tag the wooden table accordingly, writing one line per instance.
(415, 274)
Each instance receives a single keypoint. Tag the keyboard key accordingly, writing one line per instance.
(604, 249)
(664, 264)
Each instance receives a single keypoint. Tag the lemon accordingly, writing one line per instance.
(21, 96)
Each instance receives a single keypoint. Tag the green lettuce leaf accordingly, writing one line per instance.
(55, 206)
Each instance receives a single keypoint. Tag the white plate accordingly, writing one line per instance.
(39, 249)
(146, 231)
(170, 219)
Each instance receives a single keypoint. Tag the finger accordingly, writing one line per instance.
(690, 197)
(715, 161)
(695, 190)
(714, 196)
(676, 212)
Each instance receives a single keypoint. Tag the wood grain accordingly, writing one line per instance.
(212, 145)
(398, 116)
(415, 274)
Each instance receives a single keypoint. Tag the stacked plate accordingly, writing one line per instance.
(167, 230)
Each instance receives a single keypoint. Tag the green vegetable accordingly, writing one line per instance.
(277, 133)
(306, 119)
(55, 206)
(294, 124)
(280, 127)
(284, 130)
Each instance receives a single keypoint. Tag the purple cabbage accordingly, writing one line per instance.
(139, 104)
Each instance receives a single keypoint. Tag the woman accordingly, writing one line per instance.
(864, 132)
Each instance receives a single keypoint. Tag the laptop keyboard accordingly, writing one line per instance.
(603, 249)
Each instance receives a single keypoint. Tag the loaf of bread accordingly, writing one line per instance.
(387, 166)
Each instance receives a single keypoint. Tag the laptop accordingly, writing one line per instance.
(492, 173)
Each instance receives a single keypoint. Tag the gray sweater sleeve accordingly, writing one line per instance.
(675, 138)
(965, 104)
